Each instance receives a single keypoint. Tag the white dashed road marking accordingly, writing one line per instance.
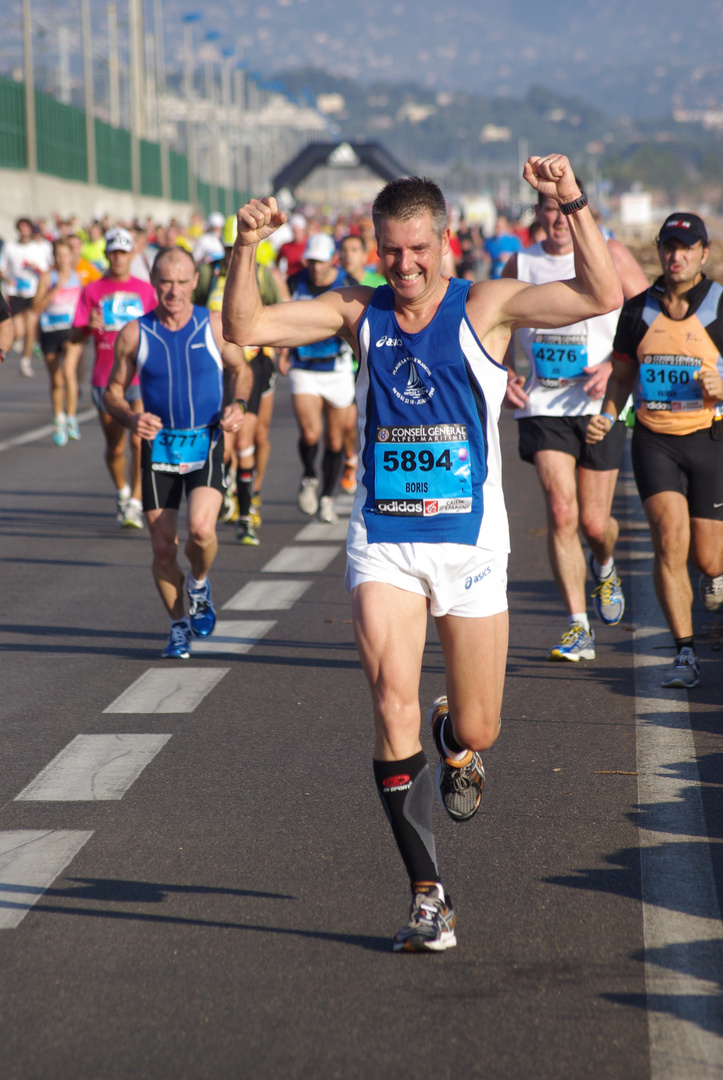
(30, 861)
(307, 559)
(167, 690)
(318, 531)
(93, 768)
(42, 432)
(233, 637)
(267, 596)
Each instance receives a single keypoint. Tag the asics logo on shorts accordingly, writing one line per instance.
(389, 341)
(473, 579)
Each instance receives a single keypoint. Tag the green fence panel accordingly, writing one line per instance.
(13, 144)
(113, 156)
(203, 197)
(179, 175)
(151, 176)
(62, 149)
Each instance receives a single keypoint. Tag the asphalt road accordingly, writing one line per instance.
(228, 913)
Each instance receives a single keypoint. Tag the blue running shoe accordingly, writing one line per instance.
(575, 644)
(607, 597)
(201, 612)
(177, 647)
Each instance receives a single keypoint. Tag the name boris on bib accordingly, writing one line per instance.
(422, 470)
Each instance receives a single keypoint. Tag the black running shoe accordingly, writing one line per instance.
(431, 924)
(459, 784)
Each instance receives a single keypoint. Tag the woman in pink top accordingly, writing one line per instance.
(55, 302)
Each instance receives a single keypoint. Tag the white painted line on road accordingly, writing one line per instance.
(167, 690)
(296, 560)
(42, 432)
(30, 861)
(233, 637)
(320, 531)
(682, 927)
(94, 768)
(267, 596)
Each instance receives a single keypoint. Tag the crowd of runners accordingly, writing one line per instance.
(401, 339)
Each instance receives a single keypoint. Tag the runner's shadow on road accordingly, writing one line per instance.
(622, 878)
(692, 959)
(105, 891)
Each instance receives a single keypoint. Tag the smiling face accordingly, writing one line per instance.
(411, 254)
(682, 263)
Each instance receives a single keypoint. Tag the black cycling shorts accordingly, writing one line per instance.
(567, 434)
(19, 304)
(163, 490)
(52, 341)
(263, 370)
(689, 464)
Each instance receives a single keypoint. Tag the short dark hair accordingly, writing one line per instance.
(351, 236)
(409, 197)
(175, 249)
(24, 221)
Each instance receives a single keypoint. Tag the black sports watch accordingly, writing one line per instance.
(571, 207)
(243, 404)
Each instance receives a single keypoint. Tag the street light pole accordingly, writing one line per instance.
(88, 92)
(188, 90)
(30, 131)
(161, 91)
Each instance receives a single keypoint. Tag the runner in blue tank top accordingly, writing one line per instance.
(429, 527)
(178, 352)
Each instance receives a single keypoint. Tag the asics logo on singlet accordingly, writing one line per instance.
(389, 341)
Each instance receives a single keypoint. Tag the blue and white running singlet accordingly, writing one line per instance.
(429, 405)
(181, 371)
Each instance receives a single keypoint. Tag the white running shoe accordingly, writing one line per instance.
(327, 513)
(308, 498)
(710, 590)
(26, 368)
(133, 516)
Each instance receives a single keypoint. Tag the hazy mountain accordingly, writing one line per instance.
(627, 57)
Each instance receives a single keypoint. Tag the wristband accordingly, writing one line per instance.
(608, 416)
(243, 405)
(571, 207)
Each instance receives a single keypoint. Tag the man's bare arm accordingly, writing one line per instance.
(629, 270)
(247, 322)
(145, 425)
(619, 387)
(594, 290)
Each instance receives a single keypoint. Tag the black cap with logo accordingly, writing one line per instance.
(686, 227)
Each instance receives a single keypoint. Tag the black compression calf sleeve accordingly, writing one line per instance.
(331, 466)
(407, 794)
(308, 456)
(244, 490)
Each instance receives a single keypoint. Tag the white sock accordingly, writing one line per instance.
(124, 492)
(605, 570)
(193, 584)
(59, 418)
(580, 617)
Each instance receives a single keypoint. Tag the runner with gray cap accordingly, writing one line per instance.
(321, 378)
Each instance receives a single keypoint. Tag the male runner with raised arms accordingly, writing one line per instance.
(429, 526)
(569, 369)
(178, 352)
(668, 348)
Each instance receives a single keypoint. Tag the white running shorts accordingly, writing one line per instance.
(457, 579)
(337, 388)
